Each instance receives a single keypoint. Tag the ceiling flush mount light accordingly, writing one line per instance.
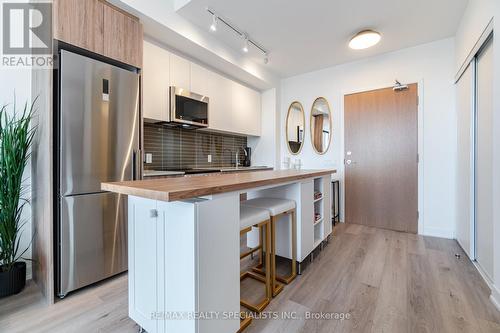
(213, 26)
(364, 39)
(247, 41)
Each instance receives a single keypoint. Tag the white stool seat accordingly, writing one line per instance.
(273, 205)
(250, 216)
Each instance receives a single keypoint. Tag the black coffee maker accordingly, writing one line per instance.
(248, 157)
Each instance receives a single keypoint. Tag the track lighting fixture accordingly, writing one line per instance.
(247, 41)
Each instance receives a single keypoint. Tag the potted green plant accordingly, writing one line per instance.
(16, 137)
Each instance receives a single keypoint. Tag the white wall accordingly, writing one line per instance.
(18, 82)
(475, 19)
(432, 66)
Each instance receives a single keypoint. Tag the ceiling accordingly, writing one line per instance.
(303, 36)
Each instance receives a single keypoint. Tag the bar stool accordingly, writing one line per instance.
(277, 208)
(256, 217)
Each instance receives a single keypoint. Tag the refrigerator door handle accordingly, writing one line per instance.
(137, 163)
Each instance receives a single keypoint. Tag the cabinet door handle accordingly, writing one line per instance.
(153, 213)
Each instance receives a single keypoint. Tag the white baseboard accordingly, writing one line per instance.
(437, 232)
(483, 274)
(495, 293)
(495, 297)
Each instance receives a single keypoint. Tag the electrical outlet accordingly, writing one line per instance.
(149, 158)
(209, 159)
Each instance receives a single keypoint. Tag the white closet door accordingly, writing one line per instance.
(465, 161)
(484, 147)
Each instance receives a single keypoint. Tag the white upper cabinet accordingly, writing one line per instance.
(156, 80)
(200, 80)
(246, 110)
(180, 72)
(253, 112)
(233, 107)
(219, 108)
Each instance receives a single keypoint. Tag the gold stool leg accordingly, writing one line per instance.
(261, 244)
(259, 267)
(266, 280)
(277, 287)
(293, 273)
(244, 323)
(269, 281)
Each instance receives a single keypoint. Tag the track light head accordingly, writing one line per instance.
(213, 26)
(245, 44)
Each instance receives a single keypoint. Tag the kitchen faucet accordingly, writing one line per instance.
(238, 155)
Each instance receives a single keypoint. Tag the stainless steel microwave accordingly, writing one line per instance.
(187, 108)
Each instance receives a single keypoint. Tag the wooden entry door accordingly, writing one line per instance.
(381, 161)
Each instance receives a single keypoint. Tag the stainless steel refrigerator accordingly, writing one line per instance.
(97, 131)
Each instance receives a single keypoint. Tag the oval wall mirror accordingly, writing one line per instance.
(295, 123)
(321, 125)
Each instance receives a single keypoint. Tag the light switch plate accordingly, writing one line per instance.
(209, 159)
(149, 158)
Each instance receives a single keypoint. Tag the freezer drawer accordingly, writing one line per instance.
(99, 118)
(92, 239)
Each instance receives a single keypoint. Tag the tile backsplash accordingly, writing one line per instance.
(178, 148)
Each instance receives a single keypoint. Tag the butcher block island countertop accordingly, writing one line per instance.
(181, 188)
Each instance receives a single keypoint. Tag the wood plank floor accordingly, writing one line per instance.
(386, 281)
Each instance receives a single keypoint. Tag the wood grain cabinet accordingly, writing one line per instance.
(80, 23)
(99, 27)
(122, 37)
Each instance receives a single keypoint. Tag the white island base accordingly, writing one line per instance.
(184, 263)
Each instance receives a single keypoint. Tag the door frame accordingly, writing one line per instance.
(420, 144)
